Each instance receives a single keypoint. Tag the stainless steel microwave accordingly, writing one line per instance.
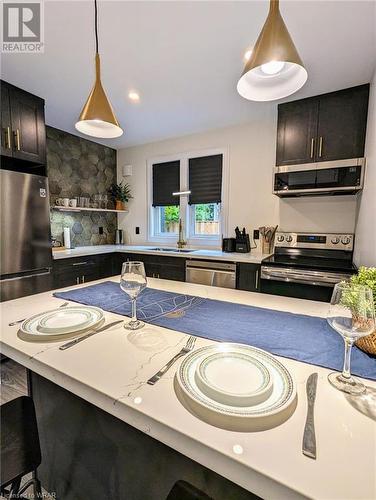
(322, 178)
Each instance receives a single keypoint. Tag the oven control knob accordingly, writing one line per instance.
(289, 239)
(345, 240)
(280, 238)
(335, 241)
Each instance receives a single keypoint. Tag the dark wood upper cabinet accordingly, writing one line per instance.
(23, 126)
(342, 122)
(323, 128)
(6, 128)
(297, 127)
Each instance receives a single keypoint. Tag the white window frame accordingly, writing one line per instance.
(200, 237)
(186, 213)
(156, 223)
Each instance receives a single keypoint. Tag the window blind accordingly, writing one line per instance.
(205, 179)
(166, 180)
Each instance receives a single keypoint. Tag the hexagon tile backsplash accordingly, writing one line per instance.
(78, 167)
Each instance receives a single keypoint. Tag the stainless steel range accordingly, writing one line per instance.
(307, 265)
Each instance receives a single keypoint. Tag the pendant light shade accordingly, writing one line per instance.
(274, 69)
(97, 117)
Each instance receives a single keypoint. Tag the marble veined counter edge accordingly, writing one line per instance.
(268, 463)
(205, 254)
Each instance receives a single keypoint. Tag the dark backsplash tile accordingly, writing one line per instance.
(78, 167)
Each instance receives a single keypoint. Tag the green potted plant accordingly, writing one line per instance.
(121, 194)
(367, 277)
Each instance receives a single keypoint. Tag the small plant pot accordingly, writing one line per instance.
(119, 205)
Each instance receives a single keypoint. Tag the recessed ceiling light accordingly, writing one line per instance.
(134, 96)
(237, 449)
(248, 54)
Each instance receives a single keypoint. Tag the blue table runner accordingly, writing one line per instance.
(303, 338)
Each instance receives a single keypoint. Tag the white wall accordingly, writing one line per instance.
(251, 203)
(365, 243)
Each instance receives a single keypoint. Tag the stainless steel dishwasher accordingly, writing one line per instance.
(221, 274)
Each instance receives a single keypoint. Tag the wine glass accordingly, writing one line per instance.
(132, 282)
(352, 315)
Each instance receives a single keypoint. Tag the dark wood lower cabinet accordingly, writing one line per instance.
(77, 270)
(89, 454)
(73, 271)
(156, 266)
(248, 277)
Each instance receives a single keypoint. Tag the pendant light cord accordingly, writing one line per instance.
(96, 26)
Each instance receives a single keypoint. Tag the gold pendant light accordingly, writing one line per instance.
(274, 69)
(97, 117)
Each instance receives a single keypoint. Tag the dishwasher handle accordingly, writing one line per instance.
(210, 265)
(214, 271)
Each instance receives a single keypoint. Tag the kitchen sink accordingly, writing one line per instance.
(179, 250)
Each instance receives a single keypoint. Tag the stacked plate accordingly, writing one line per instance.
(61, 322)
(236, 387)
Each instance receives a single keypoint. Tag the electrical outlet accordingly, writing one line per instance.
(256, 234)
(137, 230)
(100, 229)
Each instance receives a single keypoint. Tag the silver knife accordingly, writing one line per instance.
(87, 335)
(309, 438)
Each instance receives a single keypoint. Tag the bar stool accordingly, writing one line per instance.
(186, 491)
(20, 448)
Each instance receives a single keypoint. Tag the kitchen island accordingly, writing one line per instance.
(109, 371)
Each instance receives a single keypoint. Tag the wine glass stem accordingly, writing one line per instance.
(346, 373)
(134, 315)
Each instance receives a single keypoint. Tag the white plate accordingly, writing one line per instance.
(277, 408)
(234, 378)
(30, 328)
(66, 320)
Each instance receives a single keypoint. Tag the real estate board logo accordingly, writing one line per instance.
(23, 27)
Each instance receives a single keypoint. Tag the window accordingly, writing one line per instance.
(200, 206)
(166, 220)
(205, 219)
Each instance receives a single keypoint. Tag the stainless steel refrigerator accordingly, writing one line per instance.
(26, 254)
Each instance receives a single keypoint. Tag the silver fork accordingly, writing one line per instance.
(187, 348)
(23, 319)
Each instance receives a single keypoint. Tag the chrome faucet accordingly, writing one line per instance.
(181, 241)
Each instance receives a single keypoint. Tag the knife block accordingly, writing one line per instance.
(243, 245)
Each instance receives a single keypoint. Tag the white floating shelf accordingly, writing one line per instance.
(82, 209)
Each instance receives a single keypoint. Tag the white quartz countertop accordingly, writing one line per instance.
(110, 370)
(207, 254)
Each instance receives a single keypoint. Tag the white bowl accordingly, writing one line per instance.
(234, 378)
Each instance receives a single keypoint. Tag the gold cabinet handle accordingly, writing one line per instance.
(17, 137)
(312, 146)
(8, 144)
(320, 147)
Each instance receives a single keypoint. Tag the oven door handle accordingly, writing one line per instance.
(307, 277)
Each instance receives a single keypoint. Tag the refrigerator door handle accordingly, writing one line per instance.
(48, 271)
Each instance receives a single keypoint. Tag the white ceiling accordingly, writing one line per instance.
(184, 59)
